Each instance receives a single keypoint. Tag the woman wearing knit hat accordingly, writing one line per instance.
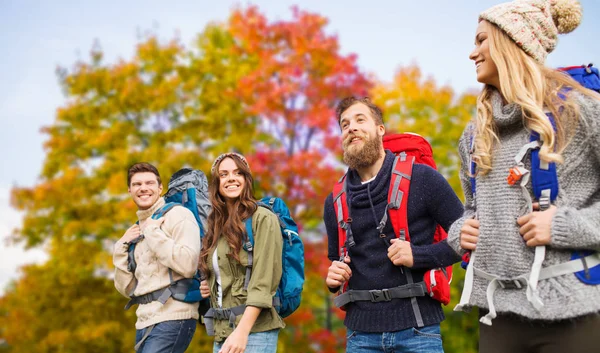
(531, 121)
(242, 317)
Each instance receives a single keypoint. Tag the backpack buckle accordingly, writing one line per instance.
(544, 200)
(222, 314)
(378, 295)
(514, 175)
(516, 283)
(345, 224)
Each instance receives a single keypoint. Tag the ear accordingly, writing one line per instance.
(380, 130)
(160, 188)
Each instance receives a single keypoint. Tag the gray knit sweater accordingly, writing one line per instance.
(576, 225)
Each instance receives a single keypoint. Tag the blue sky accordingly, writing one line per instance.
(39, 36)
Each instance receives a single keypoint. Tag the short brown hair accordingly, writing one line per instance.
(142, 167)
(350, 101)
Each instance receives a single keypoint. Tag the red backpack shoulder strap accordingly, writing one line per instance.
(340, 206)
(398, 194)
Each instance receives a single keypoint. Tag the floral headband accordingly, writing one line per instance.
(225, 155)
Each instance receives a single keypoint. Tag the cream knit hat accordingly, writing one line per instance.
(535, 24)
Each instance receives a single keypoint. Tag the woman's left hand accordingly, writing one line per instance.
(236, 342)
(536, 226)
(204, 289)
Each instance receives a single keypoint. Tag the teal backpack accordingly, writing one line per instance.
(289, 292)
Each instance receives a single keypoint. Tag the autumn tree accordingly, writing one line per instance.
(300, 77)
(263, 88)
(66, 305)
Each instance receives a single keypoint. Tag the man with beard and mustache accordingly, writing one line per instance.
(167, 249)
(378, 260)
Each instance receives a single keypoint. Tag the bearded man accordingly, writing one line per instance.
(377, 260)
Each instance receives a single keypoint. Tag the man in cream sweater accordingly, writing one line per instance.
(170, 242)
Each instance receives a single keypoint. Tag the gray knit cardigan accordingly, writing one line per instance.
(576, 225)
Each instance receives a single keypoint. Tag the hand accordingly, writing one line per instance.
(338, 273)
(400, 253)
(536, 226)
(204, 289)
(469, 234)
(154, 223)
(131, 233)
(236, 342)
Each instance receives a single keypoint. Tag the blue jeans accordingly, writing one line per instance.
(168, 336)
(413, 340)
(258, 342)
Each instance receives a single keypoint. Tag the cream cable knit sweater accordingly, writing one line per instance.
(175, 245)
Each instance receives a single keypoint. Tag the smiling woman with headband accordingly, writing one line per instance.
(531, 177)
(242, 317)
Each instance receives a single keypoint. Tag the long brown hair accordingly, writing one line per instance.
(533, 87)
(227, 221)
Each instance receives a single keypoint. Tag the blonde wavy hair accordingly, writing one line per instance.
(533, 87)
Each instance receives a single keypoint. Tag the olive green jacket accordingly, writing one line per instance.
(266, 273)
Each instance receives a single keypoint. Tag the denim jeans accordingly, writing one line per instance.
(413, 340)
(258, 342)
(168, 336)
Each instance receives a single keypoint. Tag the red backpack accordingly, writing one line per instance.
(409, 149)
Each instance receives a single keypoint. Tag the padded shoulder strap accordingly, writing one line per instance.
(398, 194)
(544, 179)
(249, 247)
(249, 233)
(164, 209)
(340, 206)
(472, 167)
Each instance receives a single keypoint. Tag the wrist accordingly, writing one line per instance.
(243, 329)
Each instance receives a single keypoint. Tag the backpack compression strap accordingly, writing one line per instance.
(177, 290)
(544, 180)
(344, 221)
(398, 196)
(249, 247)
(398, 210)
(340, 205)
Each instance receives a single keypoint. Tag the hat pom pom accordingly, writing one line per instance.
(566, 15)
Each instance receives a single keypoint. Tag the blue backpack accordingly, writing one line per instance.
(288, 295)
(187, 188)
(544, 180)
(586, 75)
